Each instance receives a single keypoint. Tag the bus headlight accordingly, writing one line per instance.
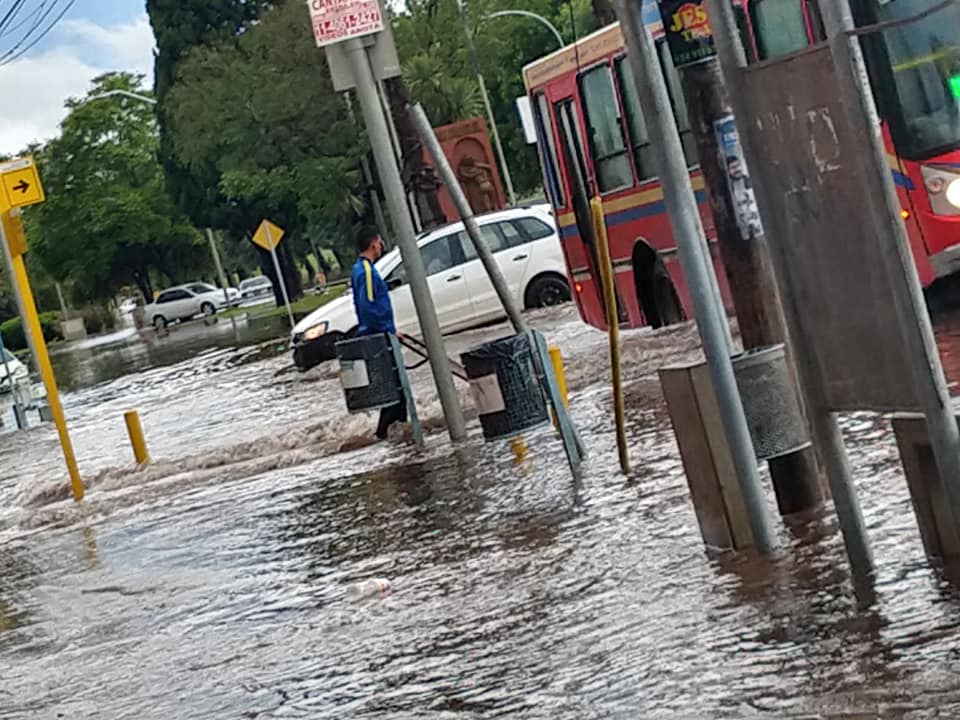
(943, 190)
(953, 193)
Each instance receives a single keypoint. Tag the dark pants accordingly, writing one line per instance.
(390, 415)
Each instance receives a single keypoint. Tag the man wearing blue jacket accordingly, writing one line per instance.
(371, 299)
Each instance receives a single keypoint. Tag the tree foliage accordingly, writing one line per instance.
(108, 221)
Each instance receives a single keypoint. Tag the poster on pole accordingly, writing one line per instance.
(688, 31)
(338, 20)
(738, 177)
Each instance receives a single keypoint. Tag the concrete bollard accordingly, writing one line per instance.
(137, 441)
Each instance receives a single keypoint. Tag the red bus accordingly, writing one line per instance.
(592, 137)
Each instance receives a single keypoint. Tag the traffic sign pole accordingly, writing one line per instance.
(42, 358)
(276, 266)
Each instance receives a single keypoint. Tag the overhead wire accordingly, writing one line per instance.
(33, 26)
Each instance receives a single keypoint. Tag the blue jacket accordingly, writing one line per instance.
(371, 299)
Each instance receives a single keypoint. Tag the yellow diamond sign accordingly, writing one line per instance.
(268, 235)
(21, 183)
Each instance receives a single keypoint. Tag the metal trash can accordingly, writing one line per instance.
(505, 387)
(770, 402)
(368, 373)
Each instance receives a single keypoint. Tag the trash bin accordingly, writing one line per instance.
(770, 402)
(368, 373)
(505, 387)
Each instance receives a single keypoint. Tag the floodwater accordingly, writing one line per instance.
(213, 583)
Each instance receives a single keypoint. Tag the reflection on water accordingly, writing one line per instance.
(212, 584)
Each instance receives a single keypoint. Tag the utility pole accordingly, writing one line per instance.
(392, 183)
(743, 250)
(823, 423)
(475, 64)
(688, 231)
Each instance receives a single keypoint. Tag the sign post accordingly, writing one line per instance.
(268, 236)
(21, 188)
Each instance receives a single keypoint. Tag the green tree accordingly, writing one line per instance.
(107, 221)
(262, 112)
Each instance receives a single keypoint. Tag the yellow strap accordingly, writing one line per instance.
(369, 270)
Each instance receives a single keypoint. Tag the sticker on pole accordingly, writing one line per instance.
(487, 396)
(338, 20)
(688, 31)
(738, 177)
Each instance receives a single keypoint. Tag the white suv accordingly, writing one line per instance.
(525, 244)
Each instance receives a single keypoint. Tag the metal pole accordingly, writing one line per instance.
(406, 237)
(909, 303)
(526, 13)
(368, 179)
(280, 278)
(216, 261)
(507, 298)
(823, 423)
(688, 231)
(63, 303)
(398, 150)
(475, 63)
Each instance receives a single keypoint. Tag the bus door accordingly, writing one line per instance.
(571, 147)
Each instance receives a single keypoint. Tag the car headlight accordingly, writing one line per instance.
(316, 331)
(943, 190)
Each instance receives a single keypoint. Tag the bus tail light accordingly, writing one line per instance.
(578, 287)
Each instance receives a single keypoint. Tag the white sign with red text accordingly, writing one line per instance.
(338, 20)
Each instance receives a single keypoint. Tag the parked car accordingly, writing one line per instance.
(525, 244)
(256, 289)
(17, 370)
(185, 302)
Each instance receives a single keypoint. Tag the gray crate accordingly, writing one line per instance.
(368, 373)
(770, 402)
(505, 387)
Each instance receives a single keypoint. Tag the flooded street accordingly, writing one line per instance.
(213, 584)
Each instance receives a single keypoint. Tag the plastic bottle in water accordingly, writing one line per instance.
(374, 587)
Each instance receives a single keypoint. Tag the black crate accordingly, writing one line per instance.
(514, 403)
(382, 388)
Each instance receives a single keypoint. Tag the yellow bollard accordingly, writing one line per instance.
(12, 229)
(613, 327)
(135, 431)
(556, 357)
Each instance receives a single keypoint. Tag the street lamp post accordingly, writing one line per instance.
(533, 16)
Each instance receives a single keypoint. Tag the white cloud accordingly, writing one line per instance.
(34, 88)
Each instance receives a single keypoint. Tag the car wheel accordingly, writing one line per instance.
(160, 322)
(208, 309)
(548, 291)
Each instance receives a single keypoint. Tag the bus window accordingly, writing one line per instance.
(610, 157)
(675, 90)
(541, 114)
(780, 27)
(639, 137)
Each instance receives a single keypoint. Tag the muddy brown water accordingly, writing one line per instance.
(212, 585)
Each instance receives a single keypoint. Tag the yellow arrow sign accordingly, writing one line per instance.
(268, 235)
(21, 183)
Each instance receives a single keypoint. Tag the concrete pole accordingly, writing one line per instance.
(897, 257)
(406, 237)
(823, 423)
(216, 261)
(449, 177)
(747, 265)
(688, 231)
(495, 134)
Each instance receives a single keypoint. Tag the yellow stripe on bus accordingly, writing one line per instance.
(637, 199)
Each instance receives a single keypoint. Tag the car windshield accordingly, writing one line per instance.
(254, 283)
(923, 60)
(201, 289)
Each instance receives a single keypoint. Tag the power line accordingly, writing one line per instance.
(24, 23)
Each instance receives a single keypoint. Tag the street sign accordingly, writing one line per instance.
(21, 183)
(268, 236)
(338, 20)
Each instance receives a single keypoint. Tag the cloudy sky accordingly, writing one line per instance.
(94, 37)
